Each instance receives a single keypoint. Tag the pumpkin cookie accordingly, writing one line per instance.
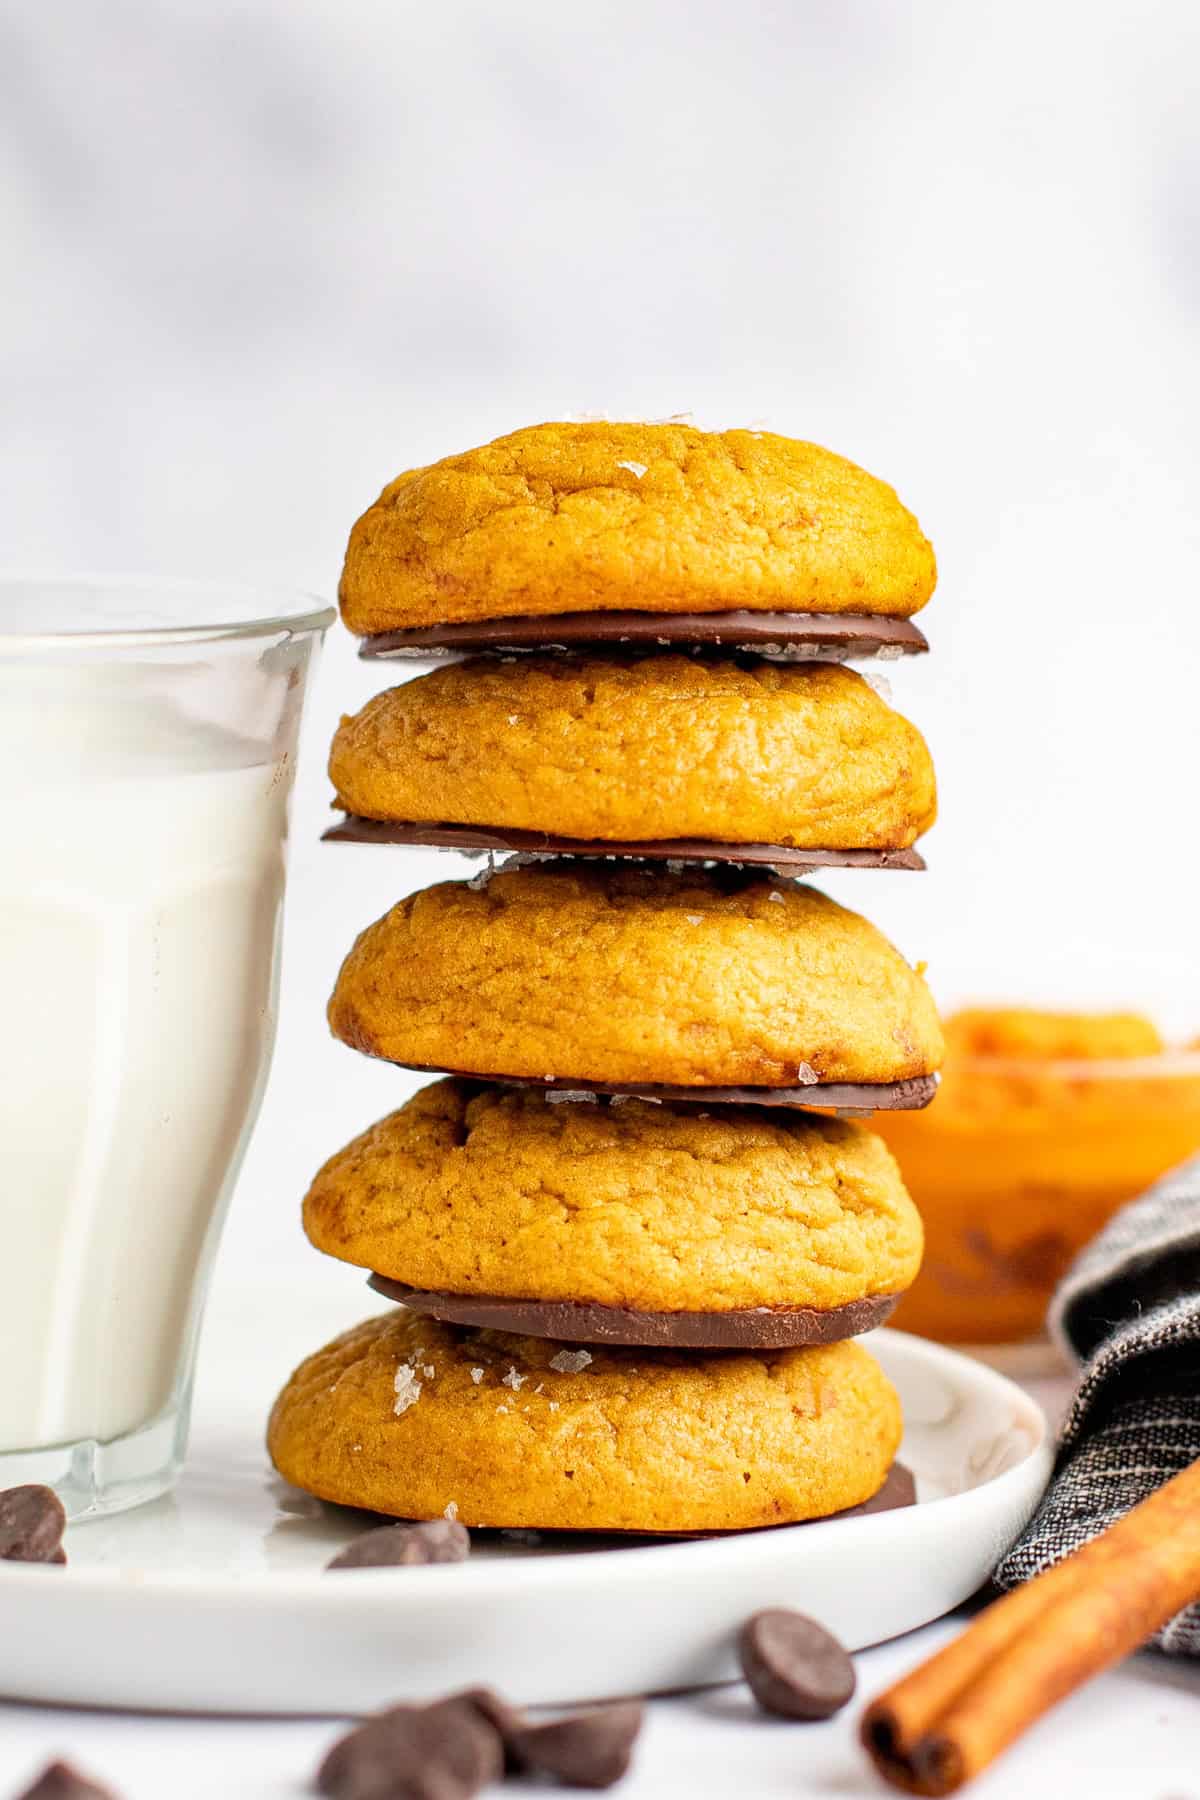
(662, 748)
(407, 1416)
(499, 1192)
(630, 975)
(566, 518)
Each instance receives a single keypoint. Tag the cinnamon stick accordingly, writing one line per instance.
(939, 1726)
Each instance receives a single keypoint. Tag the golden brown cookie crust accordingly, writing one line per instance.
(562, 518)
(626, 974)
(656, 1208)
(668, 747)
(609, 1440)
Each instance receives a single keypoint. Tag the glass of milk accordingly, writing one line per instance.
(147, 746)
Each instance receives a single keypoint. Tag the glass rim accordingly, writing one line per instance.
(275, 611)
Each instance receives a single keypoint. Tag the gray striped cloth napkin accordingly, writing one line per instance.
(1129, 1312)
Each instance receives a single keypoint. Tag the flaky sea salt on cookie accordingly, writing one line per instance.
(410, 1417)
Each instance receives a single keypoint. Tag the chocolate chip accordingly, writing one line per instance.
(59, 1781)
(447, 1751)
(795, 1668)
(506, 1719)
(32, 1522)
(588, 1750)
(399, 1546)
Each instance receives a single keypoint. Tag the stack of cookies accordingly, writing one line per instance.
(634, 1229)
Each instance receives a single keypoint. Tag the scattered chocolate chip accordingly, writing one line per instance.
(588, 1750)
(506, 1719)
(795, 1668)
(399, 1546)
(59, 1781)
(32, 1522)
(447, 1751)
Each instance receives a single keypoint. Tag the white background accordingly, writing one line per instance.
(258, 258)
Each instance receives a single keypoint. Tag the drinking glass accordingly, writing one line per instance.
(148, 736)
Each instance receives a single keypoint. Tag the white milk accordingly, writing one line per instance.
(141, 876)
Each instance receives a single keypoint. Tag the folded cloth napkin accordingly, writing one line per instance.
(1129, 1312)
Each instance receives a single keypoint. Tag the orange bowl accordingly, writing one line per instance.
(1019, 1161)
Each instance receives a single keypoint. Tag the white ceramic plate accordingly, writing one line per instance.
(214, 1600)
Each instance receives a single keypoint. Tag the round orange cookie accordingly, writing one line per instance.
(500, 1191)
(405, 1416)
(662, 748)
(563, 518)
(629, 975)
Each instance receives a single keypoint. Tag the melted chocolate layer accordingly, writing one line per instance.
(785, 857)
(785, 636)
(825, 1096)
(587, 1322)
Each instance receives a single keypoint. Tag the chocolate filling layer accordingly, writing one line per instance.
(787, 636)
(587, 1322)
(353, 830)
(827, 1096)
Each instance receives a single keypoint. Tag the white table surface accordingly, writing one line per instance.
(1134, 1733)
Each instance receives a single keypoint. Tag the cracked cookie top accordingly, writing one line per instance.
(609, 516)
(486, 1190)
(598, 747)
(628, 974)
(407, 1416)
